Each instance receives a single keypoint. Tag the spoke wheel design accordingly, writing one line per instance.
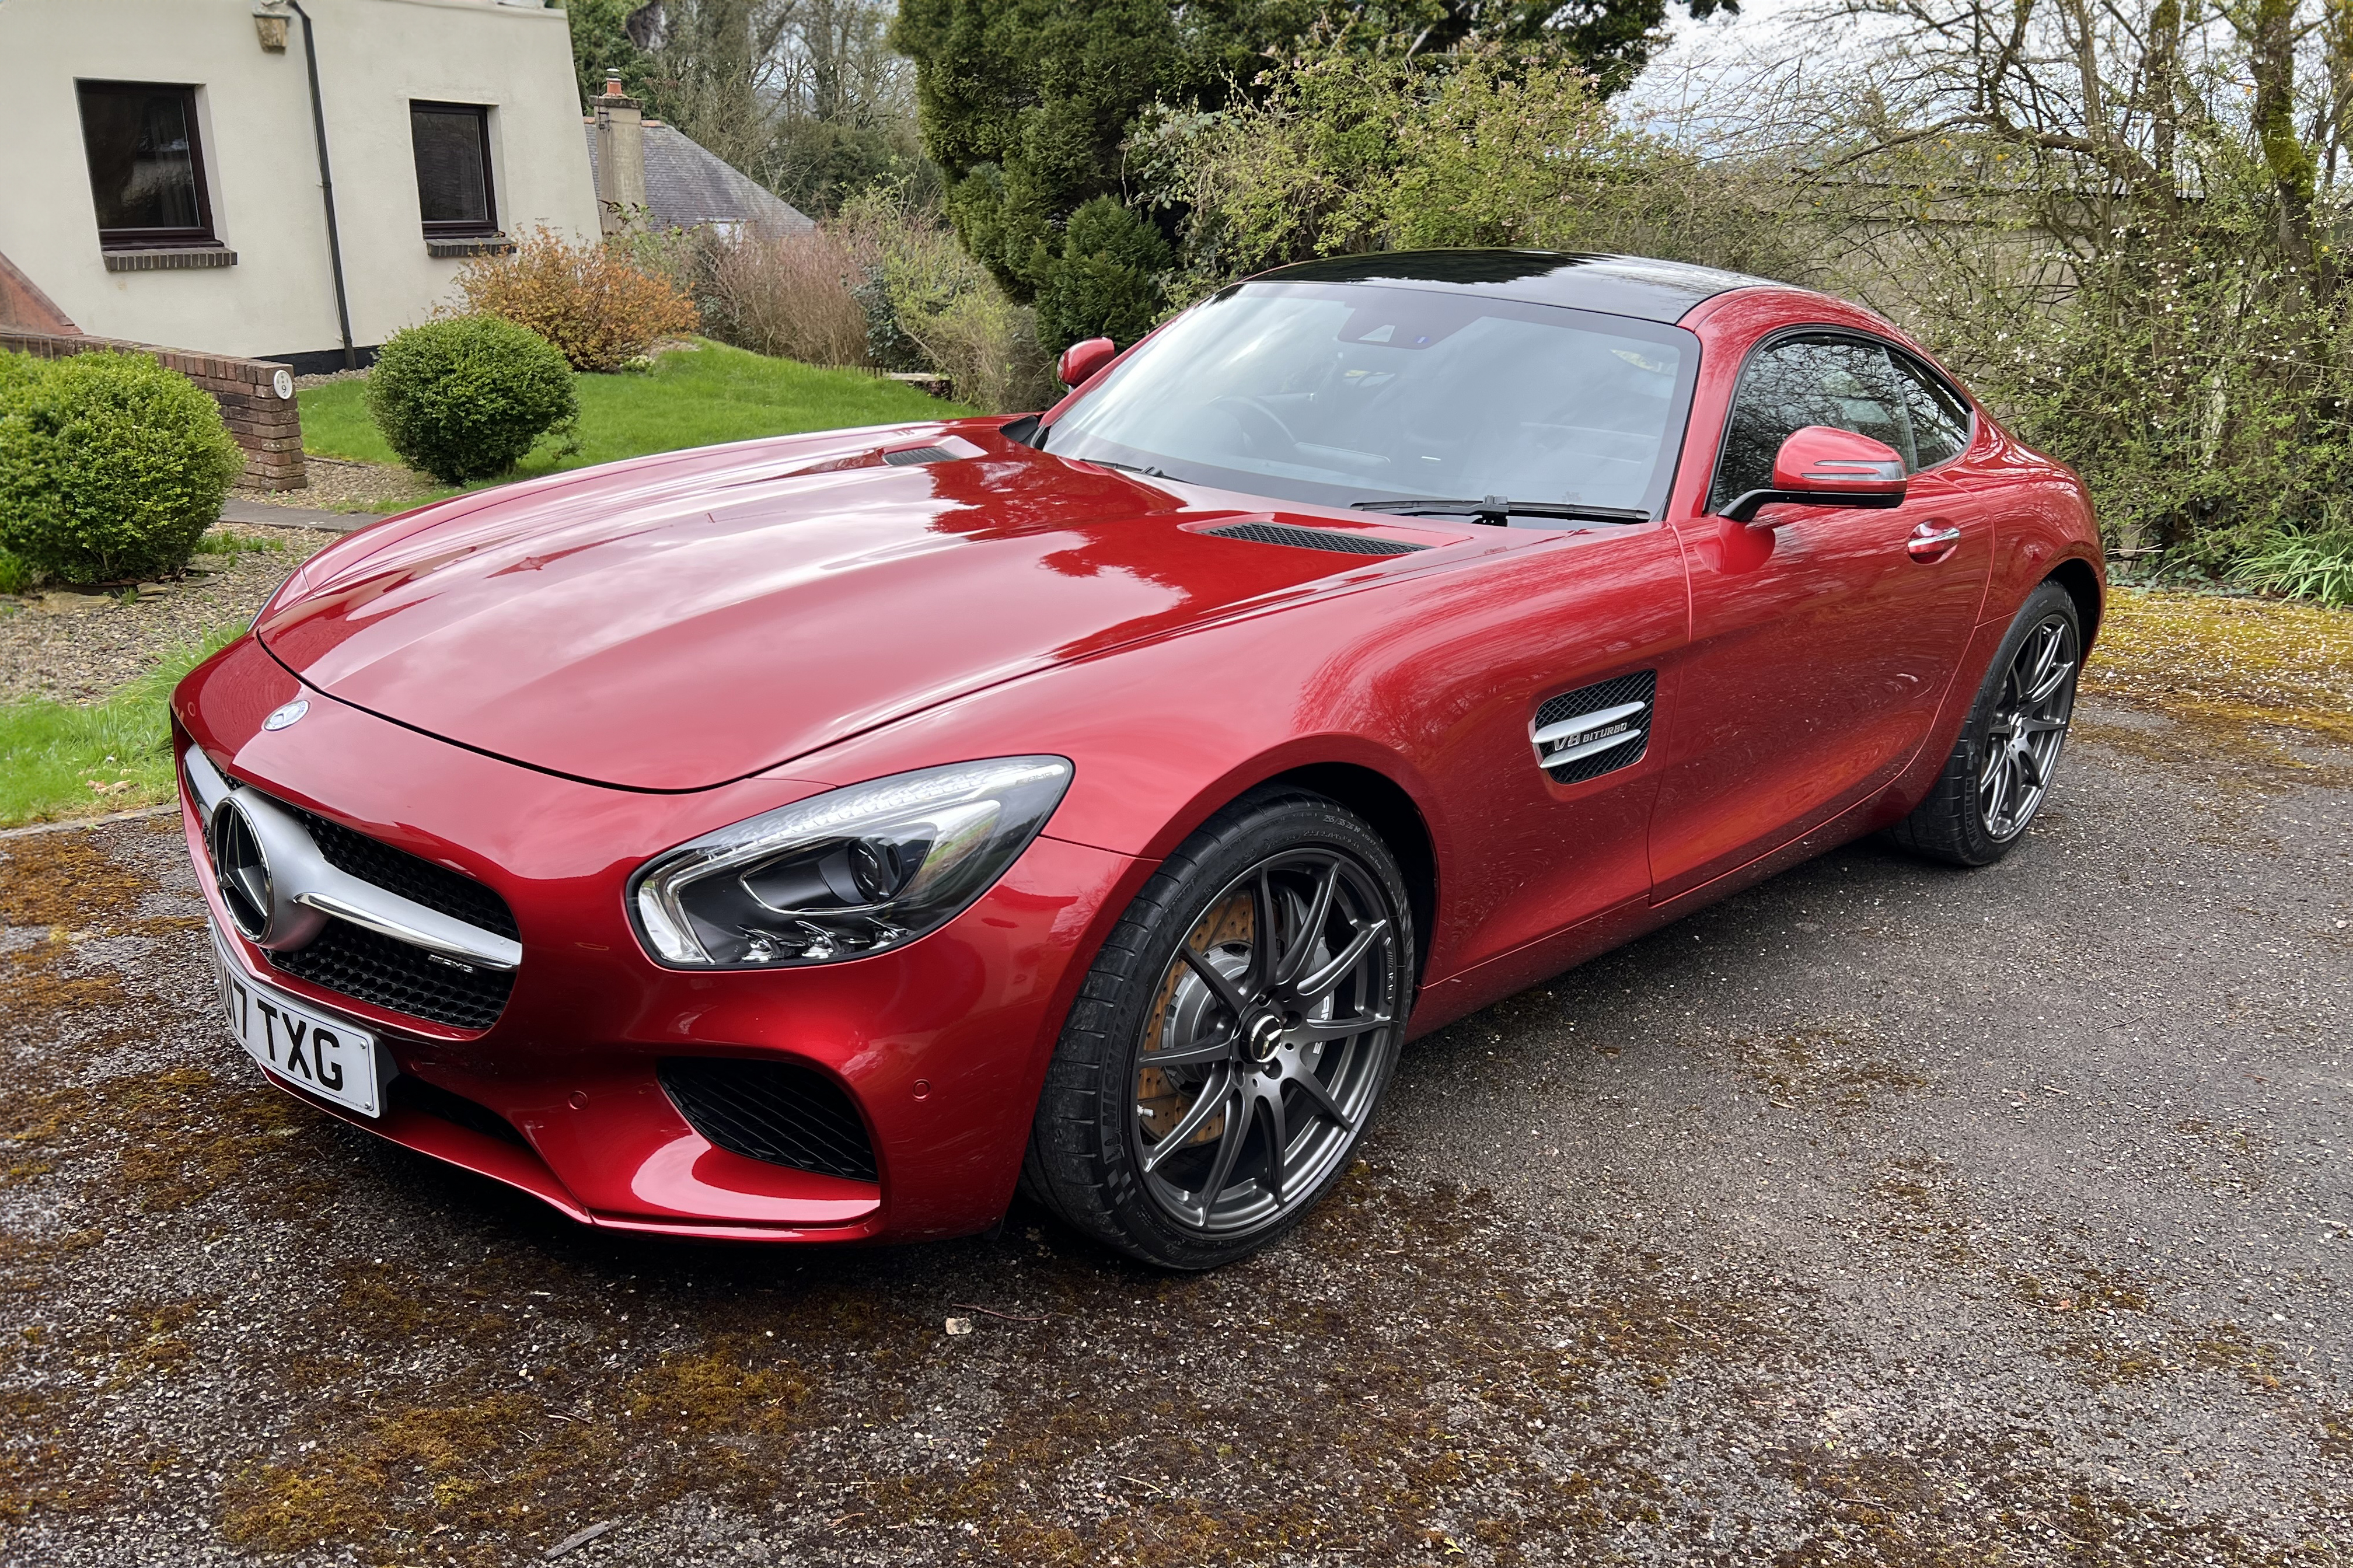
(1267, 1044)
(2027, 728)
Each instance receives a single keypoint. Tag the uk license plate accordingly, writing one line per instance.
(330, 1056)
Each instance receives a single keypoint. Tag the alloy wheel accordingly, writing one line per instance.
(2027, 728)
(1267, 1044)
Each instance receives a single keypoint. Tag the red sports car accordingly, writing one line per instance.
(815, 839)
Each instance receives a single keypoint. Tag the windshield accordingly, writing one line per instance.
(1342, 393)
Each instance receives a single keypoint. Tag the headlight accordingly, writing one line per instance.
(847, 873)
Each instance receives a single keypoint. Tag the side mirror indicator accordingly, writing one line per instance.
(1818, 466)
(1081, 360)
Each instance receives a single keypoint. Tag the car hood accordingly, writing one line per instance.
(675, 623)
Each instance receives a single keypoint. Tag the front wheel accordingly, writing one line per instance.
(1228, 1047)
(2000, 769)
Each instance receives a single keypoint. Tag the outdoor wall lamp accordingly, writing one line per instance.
(270, 24)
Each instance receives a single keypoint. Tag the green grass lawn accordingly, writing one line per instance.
(694, 397)
(62, 759)
(53, 753)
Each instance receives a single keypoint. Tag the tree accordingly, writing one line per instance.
(1345, 154)
(804, 96)
(2120, 218)
(1028, 106)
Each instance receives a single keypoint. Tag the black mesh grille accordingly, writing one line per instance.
(906, 455)
(415, 1094)
(1640, 687)
(773, 1111)
(1315, 538)
(397, 977)
(411, 876)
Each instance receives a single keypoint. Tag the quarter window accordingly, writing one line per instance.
(453, 168)
(1939, 415)
(146, 170)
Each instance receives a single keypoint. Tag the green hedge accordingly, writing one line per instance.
(112, 466)
(465, 399)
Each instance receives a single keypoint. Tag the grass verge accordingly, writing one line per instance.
(693, 397)
(61, 760)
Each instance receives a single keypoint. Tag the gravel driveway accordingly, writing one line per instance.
(1884, 1214)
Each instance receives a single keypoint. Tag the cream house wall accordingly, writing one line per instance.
(260, 158)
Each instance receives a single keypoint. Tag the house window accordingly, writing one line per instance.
(146, 170)
(453, 168)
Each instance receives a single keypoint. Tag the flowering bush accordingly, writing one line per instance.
(592, 300)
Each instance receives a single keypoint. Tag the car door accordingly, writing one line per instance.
(1820, 646)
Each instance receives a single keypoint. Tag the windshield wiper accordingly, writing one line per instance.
(1130, 468)
(1499, 510)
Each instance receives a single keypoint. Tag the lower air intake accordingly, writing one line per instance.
(410, 1092)
(771, 1111)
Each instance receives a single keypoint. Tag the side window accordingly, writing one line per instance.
(1812, 379)
(453, 168)
(1940, 416)
(146, 172)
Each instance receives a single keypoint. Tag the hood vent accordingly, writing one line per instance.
(1332, 540)
(906, 455)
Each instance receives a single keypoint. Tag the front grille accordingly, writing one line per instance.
(412, 1093)
(397, 977)
(413, 877)
(1641, 687)
(772, 1111)
(1333, 540)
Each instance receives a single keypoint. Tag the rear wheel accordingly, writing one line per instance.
(1229, 1046)
(2001, 766)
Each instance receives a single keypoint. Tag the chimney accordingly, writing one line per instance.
(620, 158)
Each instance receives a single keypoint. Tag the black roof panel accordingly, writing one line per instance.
(1616, 284)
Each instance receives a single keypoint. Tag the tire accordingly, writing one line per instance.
(2000, 770)
(1164, 1153)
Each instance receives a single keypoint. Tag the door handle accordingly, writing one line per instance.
(1933, 541)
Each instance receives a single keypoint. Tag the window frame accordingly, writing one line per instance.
(1900, 357)
(446, 228)
(205, 235)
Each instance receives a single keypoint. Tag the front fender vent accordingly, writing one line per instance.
(1595, 730)
(1332, 540)
(773, 1111)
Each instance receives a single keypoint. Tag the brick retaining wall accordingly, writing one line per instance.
(270, 427)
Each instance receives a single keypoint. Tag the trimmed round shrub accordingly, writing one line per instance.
(112, 466)
(464, 399)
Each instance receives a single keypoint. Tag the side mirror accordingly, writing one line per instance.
(1081, 360)
(1821, 467)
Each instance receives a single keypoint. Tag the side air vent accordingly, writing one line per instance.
(906, 455)
(1337, 542)
(773, 1112)
(1595, 730)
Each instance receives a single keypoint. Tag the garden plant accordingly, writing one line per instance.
(111, 468)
